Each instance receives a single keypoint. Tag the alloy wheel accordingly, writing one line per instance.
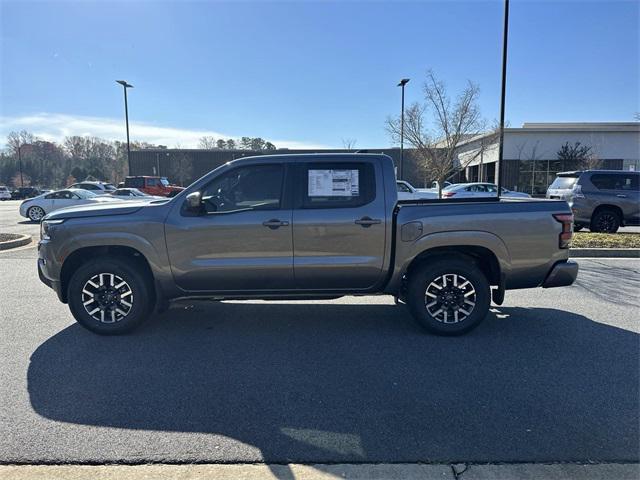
(607, 222)
(36, 214)
(450, 298)
(107, 298)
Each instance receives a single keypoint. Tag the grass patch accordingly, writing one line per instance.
(605, 240)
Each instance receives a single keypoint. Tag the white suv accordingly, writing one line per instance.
(5, 193)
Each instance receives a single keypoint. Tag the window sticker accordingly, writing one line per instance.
(334, 183)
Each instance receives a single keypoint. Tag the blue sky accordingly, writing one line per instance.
(305, 73)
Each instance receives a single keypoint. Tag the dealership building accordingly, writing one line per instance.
(531, 157)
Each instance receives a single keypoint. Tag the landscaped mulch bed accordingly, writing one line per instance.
(8, 236)
(605, 240)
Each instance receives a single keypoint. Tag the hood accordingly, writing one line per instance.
(97, 209)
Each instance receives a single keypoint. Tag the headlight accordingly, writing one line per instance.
(47, 227)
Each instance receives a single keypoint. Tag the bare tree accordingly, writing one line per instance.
(207, 143)
(349, 143)
(454, 121)
(16, 140)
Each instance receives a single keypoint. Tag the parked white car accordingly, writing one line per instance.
(133, 194)
(406, 191)
(466, 190)
(5, 193)
(37, 207)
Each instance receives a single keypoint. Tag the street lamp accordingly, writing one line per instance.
(126, 85)
(20, 163)
(505, 36)
(402, 83)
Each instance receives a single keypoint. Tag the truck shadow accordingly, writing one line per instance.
(354, 383)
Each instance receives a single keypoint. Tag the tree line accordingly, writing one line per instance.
(77, 158)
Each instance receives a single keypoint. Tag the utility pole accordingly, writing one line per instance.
(20, 164)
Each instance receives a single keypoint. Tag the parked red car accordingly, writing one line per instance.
(153, 185)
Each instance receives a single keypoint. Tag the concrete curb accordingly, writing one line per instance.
(408, 471)
(605, 252)
(15, 243)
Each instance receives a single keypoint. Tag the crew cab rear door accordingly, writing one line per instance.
(338, 225)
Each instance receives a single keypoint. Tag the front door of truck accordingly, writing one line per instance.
(242, 239)
(338, 225)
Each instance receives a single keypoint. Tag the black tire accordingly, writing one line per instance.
(605, 220)
(119, 318)
(577, 227)
(442, 271)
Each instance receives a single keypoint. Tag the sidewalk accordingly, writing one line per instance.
(323, 472)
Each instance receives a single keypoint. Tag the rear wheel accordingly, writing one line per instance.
(577, 227)
(605, 221)
(449, 296)
(109, 296)
(35, 213)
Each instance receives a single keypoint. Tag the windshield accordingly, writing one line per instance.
(110, 187)
(164, 181)
(563, 183)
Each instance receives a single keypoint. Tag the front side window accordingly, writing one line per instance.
(338, 185)
(164, 181)
(252, 187)
(152, 182)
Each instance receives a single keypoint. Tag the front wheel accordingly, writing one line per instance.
(449, 296)
(109, 296)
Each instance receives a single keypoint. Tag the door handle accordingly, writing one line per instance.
(366, 222)
(621, 196)
(275, 223)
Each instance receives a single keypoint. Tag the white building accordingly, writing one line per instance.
(531, 152)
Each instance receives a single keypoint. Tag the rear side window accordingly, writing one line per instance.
(615, 181)
(338, 185)
(563, 183)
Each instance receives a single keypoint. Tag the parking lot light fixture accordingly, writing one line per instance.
(401, 84)
(126, 85)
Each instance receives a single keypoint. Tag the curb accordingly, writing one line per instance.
(605, 252)
(406, 471)
(15, 243)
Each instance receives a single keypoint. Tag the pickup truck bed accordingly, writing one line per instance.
(303, 226)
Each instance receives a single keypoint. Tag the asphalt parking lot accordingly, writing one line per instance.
(551, 376)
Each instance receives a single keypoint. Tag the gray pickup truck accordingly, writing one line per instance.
(303, 227)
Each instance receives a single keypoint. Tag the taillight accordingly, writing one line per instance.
(566, 219)
(448, 194)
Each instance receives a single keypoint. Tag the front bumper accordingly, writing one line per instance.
(562, 274)
(46, 275)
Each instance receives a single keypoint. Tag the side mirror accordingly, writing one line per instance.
(194, 201)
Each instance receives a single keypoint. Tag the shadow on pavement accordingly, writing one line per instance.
(355, 383)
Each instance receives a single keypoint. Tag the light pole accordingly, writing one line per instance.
(126, 85)
(402, 83)
(505, 36)
(20, 164)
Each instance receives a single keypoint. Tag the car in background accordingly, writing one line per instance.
(602, 200)
(36, 208)
(133, 194)
(99, 188)
(5, 193)
(406, 191)
(21, 193)
(159, 186)
(479, 190)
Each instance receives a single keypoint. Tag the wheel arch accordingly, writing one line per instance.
(608, 206)
(483, 257)
(80, 256)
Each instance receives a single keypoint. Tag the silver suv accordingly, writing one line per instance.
(602, 200)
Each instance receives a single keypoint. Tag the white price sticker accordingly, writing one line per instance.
(334, 183)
